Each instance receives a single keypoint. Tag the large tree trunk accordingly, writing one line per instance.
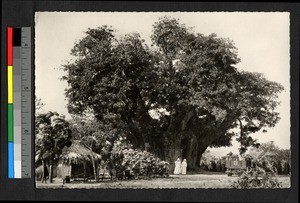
(157, 147)
(201, 150)
(203, 143)
(136, 137)
(190, 150)
(172, 153)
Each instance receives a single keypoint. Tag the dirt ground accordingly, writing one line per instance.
(174, 181)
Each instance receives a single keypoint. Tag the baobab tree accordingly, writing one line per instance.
(180, 96)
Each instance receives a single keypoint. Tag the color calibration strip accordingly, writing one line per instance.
(10, 111)
(19, 101)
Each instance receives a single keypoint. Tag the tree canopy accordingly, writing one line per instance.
(270, 152)
(181, 94)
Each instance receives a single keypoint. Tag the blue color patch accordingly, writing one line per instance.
(11, 171)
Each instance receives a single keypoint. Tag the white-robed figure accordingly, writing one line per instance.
(177, 169)
(183, 166)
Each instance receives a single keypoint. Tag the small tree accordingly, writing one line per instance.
(270, 154)
(52, 135)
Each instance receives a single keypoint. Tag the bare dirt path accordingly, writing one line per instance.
(174, 181)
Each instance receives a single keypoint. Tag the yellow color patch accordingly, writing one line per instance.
(10, 84)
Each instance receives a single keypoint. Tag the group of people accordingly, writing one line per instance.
(180, 167)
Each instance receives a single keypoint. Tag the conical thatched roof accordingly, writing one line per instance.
(77, 153)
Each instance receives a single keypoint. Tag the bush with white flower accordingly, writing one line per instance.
(129, 163)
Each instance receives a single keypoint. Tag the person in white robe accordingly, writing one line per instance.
(183, 166)
(177, 169)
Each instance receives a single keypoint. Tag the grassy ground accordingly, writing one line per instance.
(174, 181)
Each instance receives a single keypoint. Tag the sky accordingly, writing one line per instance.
(262, 40)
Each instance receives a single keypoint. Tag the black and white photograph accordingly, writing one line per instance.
(138, 100)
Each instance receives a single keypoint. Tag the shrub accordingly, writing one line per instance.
(212, 166)
(131, 163)
(218, 166)
(203, 165)
(256, 178)
(162, 169)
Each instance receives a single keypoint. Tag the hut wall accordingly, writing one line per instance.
(78, 170)
(74, 170)
(39, 171)
(63, 170)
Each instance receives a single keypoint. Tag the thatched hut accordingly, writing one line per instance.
(78, 161)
